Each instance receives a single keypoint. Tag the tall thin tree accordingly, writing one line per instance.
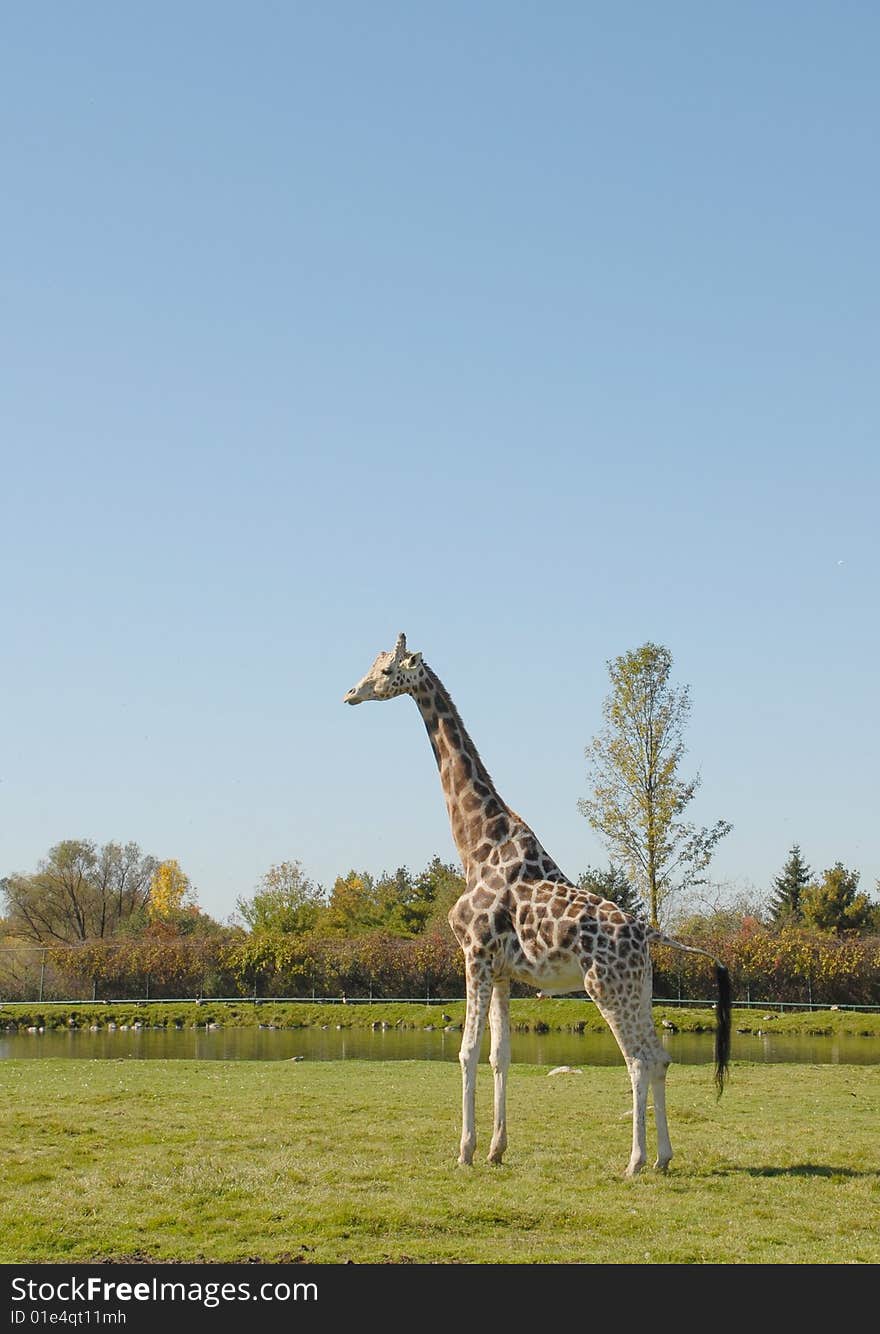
(638, 797)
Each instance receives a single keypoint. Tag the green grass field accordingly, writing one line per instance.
(337, 1161)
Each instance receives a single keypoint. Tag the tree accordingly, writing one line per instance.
(410, 903)
(833, 904)
(612, 884)
(286, 902)
(439, 885)
(399, 903)
(354, 906)
(398, 907)
(785, 906)
(638, 798)
(171, 892)
(80, 892)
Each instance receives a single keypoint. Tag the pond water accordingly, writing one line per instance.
(316, 1044)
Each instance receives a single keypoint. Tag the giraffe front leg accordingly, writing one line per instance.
(499, 1059)
(479, 989)
(640, 1080)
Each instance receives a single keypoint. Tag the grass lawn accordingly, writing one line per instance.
(336, 1161)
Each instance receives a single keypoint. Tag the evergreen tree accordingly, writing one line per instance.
(439, 885)
(400, 904)
(612, 884)
(415, 903)
(785, 906)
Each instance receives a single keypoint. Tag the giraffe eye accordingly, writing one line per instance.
(387, 671)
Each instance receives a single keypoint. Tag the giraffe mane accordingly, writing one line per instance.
(435, 681)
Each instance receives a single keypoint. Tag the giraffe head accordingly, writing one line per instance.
(393, 673)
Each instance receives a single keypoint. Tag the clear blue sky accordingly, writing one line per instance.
(534, 331)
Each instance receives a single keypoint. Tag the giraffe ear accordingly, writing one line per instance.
(412, 661)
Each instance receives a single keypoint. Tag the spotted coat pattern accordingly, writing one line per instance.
(521, 919)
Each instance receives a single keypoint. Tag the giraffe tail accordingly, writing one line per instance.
(722, 1026)
(722, 1006)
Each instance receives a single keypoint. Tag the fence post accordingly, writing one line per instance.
(42, 974)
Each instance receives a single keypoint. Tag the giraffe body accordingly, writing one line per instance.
(521, 919)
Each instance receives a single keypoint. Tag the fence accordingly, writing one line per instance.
(706, 1004)
(33, 973)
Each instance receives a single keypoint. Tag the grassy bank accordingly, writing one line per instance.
(331, 1162)
(526, 1016)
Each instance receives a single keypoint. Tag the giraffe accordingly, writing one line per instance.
(521, 919)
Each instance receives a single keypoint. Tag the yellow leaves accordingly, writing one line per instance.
(170, 891)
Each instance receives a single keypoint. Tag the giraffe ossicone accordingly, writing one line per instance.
(521, 919)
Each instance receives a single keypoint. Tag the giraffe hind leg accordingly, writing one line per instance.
(499, 1059)
(646, 1063)
(658, 1088)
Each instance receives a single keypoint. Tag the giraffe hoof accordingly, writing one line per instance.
(661, 1166)
(496, 1158)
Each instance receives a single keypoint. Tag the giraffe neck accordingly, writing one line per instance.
(481, 822)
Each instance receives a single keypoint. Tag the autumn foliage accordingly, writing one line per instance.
(792, 965)
(235, 964)
(385, 937)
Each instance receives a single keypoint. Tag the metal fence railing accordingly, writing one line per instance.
(34, 978)
(707, 1004)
